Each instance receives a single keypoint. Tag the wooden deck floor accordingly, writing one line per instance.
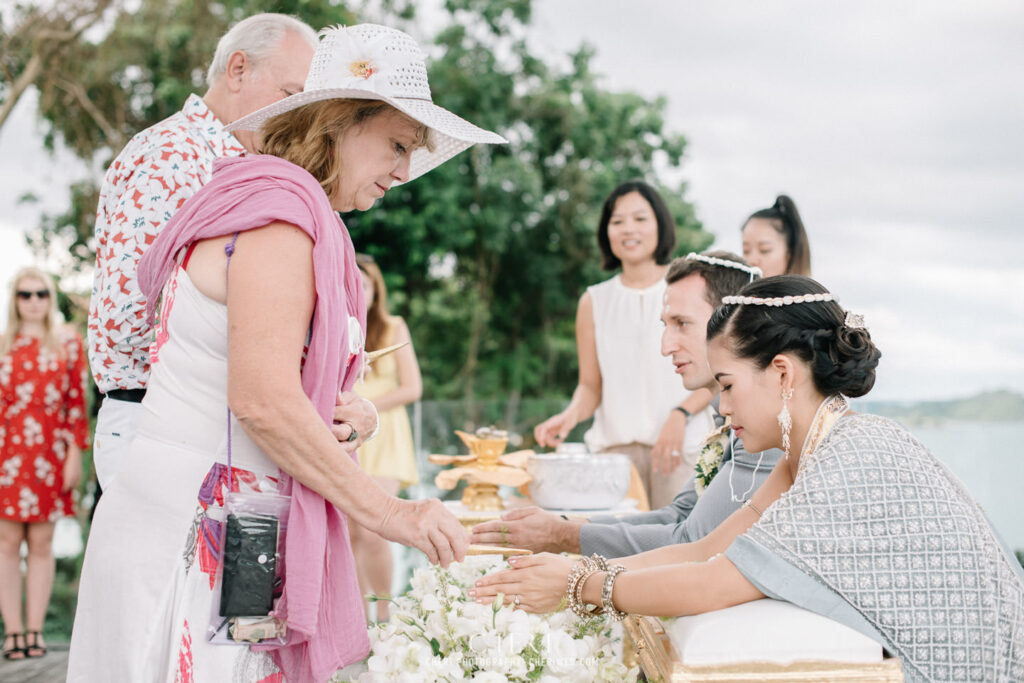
(52, 668)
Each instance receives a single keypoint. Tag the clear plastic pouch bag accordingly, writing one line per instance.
(250, 575)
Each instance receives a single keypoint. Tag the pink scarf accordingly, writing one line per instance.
(321, 600)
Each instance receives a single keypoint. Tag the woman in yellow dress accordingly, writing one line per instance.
(392, 383)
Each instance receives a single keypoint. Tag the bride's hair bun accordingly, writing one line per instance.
(842, 359)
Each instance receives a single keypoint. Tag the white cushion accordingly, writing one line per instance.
(767, 631)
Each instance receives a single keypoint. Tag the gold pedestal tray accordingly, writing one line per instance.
(485, 469)
(480, 549)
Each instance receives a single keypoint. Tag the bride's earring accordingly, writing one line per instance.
(785, 421)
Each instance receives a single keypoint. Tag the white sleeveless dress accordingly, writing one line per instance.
(639, 386)
(144, 598)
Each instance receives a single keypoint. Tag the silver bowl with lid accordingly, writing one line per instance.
(578, 481)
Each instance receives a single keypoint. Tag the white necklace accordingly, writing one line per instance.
(753, 478)
(830, 410)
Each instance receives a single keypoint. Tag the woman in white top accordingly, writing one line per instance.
(639, 406)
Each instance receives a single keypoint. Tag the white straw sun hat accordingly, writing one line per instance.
(373, 62)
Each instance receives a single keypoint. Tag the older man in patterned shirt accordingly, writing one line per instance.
(262, 59)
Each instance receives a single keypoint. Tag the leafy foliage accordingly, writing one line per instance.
(516, 223)
(95, 93)
(486, 255)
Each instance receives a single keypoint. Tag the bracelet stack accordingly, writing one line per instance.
(583, 570)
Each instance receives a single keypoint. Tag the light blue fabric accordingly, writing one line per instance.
(874, 522)
(688, 517)
(780, 580)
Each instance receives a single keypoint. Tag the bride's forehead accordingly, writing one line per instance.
(719, 350)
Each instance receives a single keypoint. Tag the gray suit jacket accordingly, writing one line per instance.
(687, 518)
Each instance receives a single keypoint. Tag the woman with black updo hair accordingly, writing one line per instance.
(858, 521)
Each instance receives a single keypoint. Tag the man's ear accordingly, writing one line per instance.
(238, 65)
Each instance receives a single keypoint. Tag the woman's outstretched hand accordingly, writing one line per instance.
(552, 431)
(537, 581)
(428, 526)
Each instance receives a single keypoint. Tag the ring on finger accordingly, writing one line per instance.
(676, 454)
(516, 601)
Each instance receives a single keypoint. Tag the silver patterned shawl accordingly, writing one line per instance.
(877, 533)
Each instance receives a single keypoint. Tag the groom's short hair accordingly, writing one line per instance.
(719, 281)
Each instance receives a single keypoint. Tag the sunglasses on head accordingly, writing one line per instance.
(25, 295)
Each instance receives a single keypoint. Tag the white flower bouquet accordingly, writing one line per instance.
(436, 633)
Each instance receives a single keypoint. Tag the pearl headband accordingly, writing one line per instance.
(779, 300)
(854, 321)
(726, 263)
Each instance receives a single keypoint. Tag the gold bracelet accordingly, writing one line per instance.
(581, 571)
(578, 570)
(582, 609)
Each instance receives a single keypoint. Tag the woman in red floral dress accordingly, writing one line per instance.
(43, 429)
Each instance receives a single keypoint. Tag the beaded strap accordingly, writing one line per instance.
(229, 251)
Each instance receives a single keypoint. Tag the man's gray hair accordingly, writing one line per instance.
(257, 36)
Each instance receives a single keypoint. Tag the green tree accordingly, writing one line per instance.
(490, 252)
(96, 92)
(514, 224)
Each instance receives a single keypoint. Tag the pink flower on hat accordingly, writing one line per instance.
(366, 60)
(361, 68)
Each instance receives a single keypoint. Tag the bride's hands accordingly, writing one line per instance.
(426, 525)
(538, 581)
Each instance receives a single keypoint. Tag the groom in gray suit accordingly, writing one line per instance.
(696, 285)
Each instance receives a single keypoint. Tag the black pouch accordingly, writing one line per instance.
(250, 565)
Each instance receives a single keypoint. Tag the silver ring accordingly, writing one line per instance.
(353, 436)
(676, 453)
(515, 600)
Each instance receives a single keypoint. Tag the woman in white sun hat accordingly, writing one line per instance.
(261, 325)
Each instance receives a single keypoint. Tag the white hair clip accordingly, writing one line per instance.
(854, 321)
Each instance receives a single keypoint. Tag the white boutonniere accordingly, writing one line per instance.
(712, 450)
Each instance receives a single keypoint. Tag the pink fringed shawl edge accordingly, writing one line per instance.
(321, 600)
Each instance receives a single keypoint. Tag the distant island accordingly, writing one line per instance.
(989, 406)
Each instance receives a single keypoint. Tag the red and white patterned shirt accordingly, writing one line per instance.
(149, 180)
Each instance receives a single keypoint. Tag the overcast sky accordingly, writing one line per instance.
(897, 127)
